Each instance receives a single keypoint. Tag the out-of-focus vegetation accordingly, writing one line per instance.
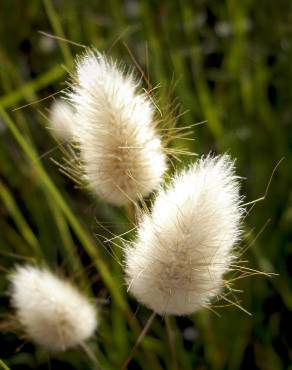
(231, 64)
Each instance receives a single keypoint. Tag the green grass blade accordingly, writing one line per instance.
(26, 91)
(3, 366)
(19, 219)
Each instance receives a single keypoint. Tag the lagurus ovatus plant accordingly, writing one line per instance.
(50, 311)
(121, 154)
(184, 246)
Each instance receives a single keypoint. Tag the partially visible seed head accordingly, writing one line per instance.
(50, 310)
(62, 119)
(184, 246)
(122, 155)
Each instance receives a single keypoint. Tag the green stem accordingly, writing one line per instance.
(19, 220)
(3, 366)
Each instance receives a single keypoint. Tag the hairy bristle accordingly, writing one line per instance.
(51, 311)
(184, 246)
(121, 153)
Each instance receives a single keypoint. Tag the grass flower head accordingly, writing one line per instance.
(120, 151)
(51, 311)
(184, 246)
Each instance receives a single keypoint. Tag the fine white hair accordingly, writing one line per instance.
(50, 310)
(120, 151)
(184, 246)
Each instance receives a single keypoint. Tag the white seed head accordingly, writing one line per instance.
(183, 247)
(51, 311)
(122, 155)
(62, 119)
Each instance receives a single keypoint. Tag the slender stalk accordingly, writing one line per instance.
(139, 340)
(171, 340)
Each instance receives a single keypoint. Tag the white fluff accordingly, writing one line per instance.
(122, 155)
(62, 119)
(183, 247)
(51, 311)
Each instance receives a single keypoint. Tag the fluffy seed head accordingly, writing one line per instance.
(62, 119)
(51, 311)
(121, 153)
(183, 247)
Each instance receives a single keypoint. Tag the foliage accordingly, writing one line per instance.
(228, 64)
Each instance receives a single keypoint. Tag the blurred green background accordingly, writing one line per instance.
(227, 63)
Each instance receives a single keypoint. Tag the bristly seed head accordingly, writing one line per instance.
(51, 311)
(184, 246)
(61, 120)
(120, 151)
